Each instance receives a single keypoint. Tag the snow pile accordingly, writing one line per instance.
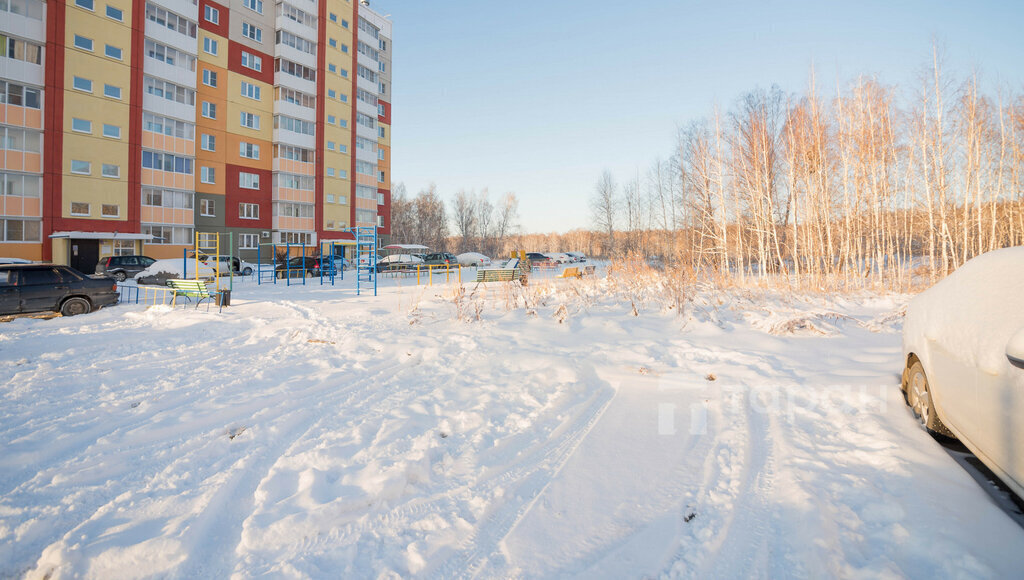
(178, 268)
(566, 428)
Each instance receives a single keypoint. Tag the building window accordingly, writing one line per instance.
(344, 23)
(249, 120)
(209, 78)
(343, 97)
(87, 4)
(211, 14)
(208, 142)
(207, 208)
(81, 125)
(344, 48)
(167, 162)
(383, 44)
(115, 14)
(343, 123)
(209, 45)
(254, 5)
(343, 173)
(248, 180)
(18, 230)
(250, 90)
(83, 43)
(330, 198)
(330, 145)
(380, 109)
(252, 61)
(82, 84)
(111, 170)
(332, 94)
(209, 110)
(113, 52)
(155, 197)
(342, 148)
(252, 32)
(248, 241)
(380, 132)
(332, 68)
(330, 119)
(332, 43)
(249, 211)
(112, 210)
(380, 199)
(123, 247)
(79, 208)
(207, 175)
(168, 235)
(112, 131)
(170, 20)
(380, 177)
(333, 17)
(81, 167)
(112, 91)
(15, 94)
(248, 150)
(343, 73)
(330, 172)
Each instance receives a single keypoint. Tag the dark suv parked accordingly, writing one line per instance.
(122, 267)
(41, 287)
(440, 259)
(298, 267)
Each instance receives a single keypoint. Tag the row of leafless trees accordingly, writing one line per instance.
(858, 187)
(480, 225)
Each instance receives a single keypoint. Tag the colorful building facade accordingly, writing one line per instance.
(128, 125)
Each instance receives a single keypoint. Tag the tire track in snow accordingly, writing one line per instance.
(530, 479)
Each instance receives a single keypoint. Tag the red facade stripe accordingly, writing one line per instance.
(386, 117)
(355, 91)
(266, 72)
(53, 123)
(234, 195)
(135, 117)
(321, 105)
(221, 28)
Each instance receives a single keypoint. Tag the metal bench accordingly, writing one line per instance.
(193, 289)
(498, 275)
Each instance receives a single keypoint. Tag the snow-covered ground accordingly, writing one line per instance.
(571, 429)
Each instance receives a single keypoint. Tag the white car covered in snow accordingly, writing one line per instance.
(963, 342)
(473, 259)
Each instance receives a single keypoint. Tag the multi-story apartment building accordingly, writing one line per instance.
(128, 125)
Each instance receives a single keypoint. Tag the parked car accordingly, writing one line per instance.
(538, 260)
(473, 259)
(963, 347)
(559, 257)
(41, 287)
(577, 256)
(398, 262)
(121, 268)
(440, 259)
(238, 266)
(298, 266)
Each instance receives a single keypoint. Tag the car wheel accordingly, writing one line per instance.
(75, 305)
(120, 276)
(247, 271)
(919, 397)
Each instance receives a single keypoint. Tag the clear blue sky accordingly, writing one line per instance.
(538, 98)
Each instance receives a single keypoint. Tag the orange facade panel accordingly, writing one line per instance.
(25, 251)
(21, 161)
(292, 166)
(167, 179)
(21, 116)
(294, 223)
(16, 206)
(299, 195)
(219, 177)
(233, 152)
(165, 251)
(366, 180)
(366, 203)
(167, 215)
(151, 140)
